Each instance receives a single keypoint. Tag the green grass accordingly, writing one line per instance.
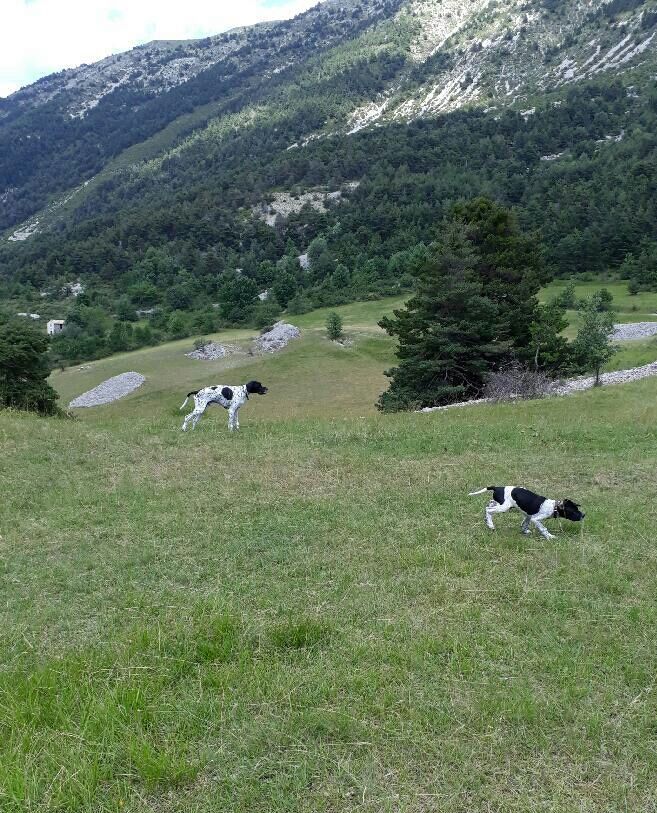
(638, 308)
(634, 353)
(310, 615)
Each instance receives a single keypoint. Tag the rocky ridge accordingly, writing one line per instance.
(161, 65)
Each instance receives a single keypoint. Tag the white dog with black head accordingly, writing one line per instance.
(535, 507)
(230, 398)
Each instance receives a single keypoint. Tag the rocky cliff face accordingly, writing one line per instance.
(501, 52)
(159, 66)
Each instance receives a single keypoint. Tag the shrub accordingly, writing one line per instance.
(515, 382)
(566, 299)
(334, 326)
(266, 313)
(299, 304)
(592, 347)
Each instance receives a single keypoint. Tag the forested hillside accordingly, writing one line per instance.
(315, 159)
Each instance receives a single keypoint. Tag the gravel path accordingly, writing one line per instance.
(634, 330)
(110, 390)
(573, 385)
(618, 377)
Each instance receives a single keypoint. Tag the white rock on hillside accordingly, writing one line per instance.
(111, 390)
(276, 338)
(211, 352)
(617, 377)
(634, 330)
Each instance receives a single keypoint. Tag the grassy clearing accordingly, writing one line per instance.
(308, 386)
(638, 308)
(310, 615)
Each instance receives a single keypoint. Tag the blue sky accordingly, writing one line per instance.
(38, 37)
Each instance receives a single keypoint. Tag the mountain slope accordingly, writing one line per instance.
(66, 128)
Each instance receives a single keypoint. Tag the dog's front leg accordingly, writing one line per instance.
(525, 525)
(543, 530)
(233, 421)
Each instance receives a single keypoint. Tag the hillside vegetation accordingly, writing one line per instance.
(311, 615)
(387, 113)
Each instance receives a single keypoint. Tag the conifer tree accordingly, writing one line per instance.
(24, 369)
(509, 263)
(446, 332)
(334, 326)
(473, 311)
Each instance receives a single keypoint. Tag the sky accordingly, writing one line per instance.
(38, 37)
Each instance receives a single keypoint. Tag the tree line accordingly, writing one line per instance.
(475, 309)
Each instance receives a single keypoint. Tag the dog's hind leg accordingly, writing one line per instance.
(194, 416)
(187, 420)
(495, 508)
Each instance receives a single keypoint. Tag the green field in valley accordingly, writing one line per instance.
(310, 615)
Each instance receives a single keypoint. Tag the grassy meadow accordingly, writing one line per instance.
(310, 615)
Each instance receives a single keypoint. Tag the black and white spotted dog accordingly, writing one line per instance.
(535, 507)
(230, 398)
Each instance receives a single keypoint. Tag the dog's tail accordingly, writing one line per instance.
(481, 491)
(189, 394)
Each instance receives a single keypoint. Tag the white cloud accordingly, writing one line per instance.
(38, 37)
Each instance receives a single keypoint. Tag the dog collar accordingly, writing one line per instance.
(246, 392)
(557, 506)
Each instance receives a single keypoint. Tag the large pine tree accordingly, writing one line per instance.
(473, 310)
(509, 264)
